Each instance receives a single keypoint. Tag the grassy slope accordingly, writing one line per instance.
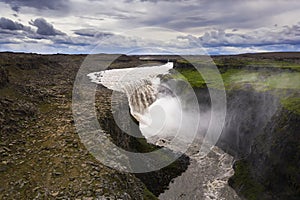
(282, 78)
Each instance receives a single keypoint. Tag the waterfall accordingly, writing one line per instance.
(140, 97)
(169, 116)
(141, 85)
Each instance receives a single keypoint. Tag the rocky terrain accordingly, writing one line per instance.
(41, 154)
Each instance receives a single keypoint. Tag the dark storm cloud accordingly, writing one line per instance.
(85, 32)
(92, 33)
(8, 24)
(45, 28)
(12, 32)
(91, 18)
(38, 4)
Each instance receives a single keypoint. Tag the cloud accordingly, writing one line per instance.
(38, 4)
(12, 32)
(288, 35)
(8, 24)
(217, 25)
(186, 15)
(45, 28)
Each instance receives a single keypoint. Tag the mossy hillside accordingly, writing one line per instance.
(232, 77)
(285, 85)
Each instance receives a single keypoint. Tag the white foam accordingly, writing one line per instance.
(117, 79)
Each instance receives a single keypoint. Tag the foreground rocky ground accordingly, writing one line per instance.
(41, 156)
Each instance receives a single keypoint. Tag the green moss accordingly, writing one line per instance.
(192, 76)
(244, 183)
(147, 195)
(213, 77)
(292, 104)
(234, 77)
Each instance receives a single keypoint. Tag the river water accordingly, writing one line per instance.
(207, 175)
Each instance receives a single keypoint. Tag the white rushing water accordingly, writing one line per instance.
(157, 111)
(121, 79)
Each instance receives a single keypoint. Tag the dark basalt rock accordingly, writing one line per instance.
(248, 112)
(272, 169)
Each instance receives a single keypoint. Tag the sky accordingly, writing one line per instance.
(149, 26)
